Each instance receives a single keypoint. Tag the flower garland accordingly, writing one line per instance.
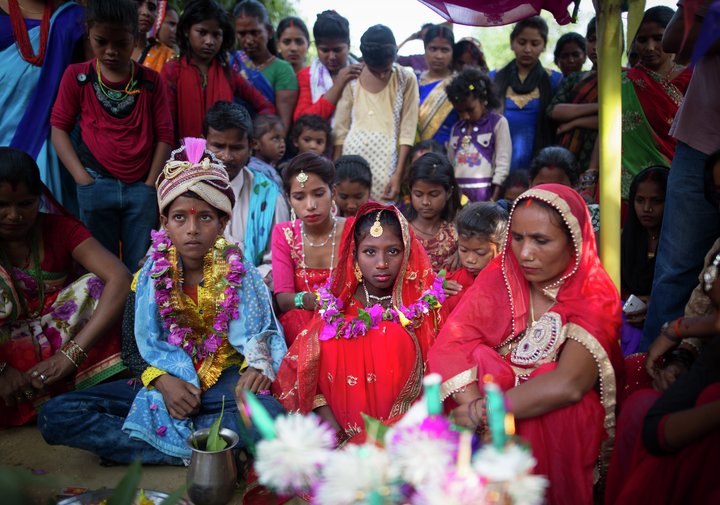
(336, 326)
(226, 304)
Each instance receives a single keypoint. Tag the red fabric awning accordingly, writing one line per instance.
(498, 12)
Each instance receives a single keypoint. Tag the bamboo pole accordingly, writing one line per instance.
(609, 32)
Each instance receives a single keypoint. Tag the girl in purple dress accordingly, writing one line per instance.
(480, 147)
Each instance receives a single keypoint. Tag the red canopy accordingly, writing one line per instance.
(498, 12)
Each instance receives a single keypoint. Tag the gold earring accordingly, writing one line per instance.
(358, 273)
(293, 217)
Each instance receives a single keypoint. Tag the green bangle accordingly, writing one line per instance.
(299, 300)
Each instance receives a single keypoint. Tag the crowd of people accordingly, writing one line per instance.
(189, 208)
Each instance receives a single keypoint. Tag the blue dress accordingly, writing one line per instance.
(522, 112)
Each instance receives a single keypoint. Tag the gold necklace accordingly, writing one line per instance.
(532, 311)
(431, 233)
(265, 63)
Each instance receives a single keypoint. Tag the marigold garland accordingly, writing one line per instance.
(226, 304)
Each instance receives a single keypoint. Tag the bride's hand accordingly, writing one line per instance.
(464, 415)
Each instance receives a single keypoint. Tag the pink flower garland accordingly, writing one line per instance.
(227, 308)
(336, 326)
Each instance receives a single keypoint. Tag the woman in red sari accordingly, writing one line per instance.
(543, 319)
(341, 367)
(305, 250)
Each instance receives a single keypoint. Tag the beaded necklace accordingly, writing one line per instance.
(117, 95)
(369, 297)
(302, 251)
(312, 244)
(20, 33)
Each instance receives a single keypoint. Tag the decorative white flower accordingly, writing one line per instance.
(292, 461)
(508, 464)
(528, 490)
(352, 474)
(419, 456)
(452, 488)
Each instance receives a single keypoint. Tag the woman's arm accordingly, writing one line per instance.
(564, 112)
(683, 428)
(344, 76)
(101, 262)
(576, 373)
(98, 261)
(283, 269)
(285, 100)
(589, 122)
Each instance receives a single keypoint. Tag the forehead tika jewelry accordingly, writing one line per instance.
(302, 178)
(376, 230)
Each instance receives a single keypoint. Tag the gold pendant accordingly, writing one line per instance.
(376, 230)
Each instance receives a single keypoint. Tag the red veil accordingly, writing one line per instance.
(494, 312)
(296, 384)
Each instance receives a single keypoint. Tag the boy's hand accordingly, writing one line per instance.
(84, 181)
(182, 399)
(254, 380)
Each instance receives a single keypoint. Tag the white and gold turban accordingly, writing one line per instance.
(202, 173)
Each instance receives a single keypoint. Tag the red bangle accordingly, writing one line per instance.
(676, 327)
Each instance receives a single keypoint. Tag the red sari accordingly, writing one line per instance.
(488, 333)
(688, 476)
(379, 373)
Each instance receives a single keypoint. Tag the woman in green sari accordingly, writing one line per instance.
(652, 92)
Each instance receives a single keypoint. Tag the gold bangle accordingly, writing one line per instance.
(72, 351)
(67, 355)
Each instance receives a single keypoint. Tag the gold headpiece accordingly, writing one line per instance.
(302, 178)
(376, 230)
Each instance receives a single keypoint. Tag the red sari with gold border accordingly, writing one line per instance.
(379, 373)
(488, 333)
